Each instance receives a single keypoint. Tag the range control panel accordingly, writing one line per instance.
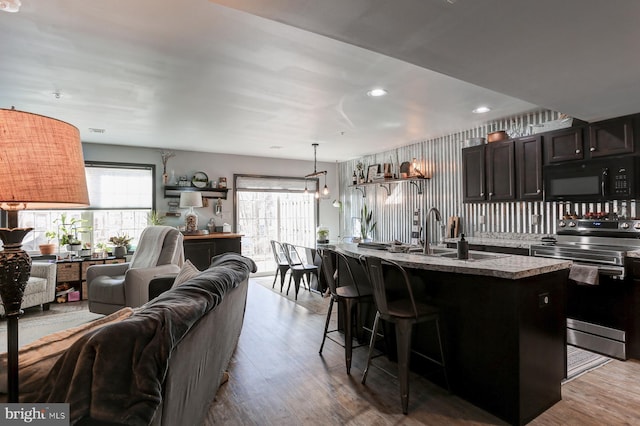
(592, 226)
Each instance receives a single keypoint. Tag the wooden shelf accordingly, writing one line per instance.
(214, 193)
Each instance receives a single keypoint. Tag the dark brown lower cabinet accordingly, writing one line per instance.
(201, 248)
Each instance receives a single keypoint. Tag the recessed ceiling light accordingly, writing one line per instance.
(376, 92)
(10, 5)
(481, 110)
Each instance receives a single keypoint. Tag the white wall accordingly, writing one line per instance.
(216, 166)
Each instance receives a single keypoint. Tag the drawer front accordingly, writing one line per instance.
(68, 272)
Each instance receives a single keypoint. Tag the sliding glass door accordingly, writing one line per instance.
(274, 208)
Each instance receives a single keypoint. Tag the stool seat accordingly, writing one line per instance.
(403, 309)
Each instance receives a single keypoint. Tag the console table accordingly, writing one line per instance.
(199, 249)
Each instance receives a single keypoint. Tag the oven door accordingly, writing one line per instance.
(598, 315)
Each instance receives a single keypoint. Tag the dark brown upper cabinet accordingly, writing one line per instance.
(611, 137)
(501, 185)
(529, 167)
(473, 184)
(563, 145)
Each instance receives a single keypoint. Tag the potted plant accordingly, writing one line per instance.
(120, 242)
(323, 235)
(49, 247)
(68, 232)
(367, 225)
(86, 250)
(101, 250)
(154, 218)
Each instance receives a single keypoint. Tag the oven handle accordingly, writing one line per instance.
(610, 271)
(541, 253)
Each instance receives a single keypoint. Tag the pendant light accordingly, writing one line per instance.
(316, 173)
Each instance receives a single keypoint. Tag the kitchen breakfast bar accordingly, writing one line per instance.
(503, 324)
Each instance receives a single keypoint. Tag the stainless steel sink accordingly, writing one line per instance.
(434, 251)
(441, 251)
(473, 255)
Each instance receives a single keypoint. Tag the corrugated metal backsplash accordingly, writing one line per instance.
(393, 204)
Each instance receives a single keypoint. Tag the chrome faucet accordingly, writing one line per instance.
(426, 249)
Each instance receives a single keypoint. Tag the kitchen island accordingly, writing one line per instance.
(503, 323)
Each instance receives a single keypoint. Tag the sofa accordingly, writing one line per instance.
(160, 365)
(41, 287)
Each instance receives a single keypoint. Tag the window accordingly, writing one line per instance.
(274, 208)
(121, 197)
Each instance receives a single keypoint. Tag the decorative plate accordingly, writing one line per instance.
(200, 180)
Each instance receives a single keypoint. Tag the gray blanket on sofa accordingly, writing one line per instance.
(116, 373)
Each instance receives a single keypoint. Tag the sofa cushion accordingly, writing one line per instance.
(187, 272)
(37, 358)
(35, 285)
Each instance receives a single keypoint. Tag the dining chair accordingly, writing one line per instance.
(282, 265)
(299, 268)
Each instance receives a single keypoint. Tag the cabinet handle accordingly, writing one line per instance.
(482, 194)
(593, 148)
(577, 151)
(538, 191)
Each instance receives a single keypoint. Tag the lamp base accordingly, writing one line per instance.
(191, 222)
(15, 268)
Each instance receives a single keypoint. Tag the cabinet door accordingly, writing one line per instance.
(563, 145)
(224, 245)
(501, 174)
(473, 173)
(529, 167)
(611, 137)
(199, 252)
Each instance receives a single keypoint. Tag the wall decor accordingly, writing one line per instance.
(200, 180)
(372, 171)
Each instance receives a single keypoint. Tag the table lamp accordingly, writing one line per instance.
(41, 167)
(191, 199)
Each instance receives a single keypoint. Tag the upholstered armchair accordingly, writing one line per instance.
(41, 287)
(114, 286)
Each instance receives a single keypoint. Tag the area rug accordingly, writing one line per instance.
(580, 362)
(311, 300)
(31, 328)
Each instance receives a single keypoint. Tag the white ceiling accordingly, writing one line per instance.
(271, 77)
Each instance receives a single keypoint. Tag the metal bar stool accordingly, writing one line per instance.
(349, 296)
(281, 262)
(299, 269)
(403, 313)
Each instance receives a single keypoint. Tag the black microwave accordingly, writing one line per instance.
(613, 178)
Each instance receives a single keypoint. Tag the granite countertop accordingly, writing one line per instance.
(491, 264)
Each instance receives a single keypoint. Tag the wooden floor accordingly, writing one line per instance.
(278, 378)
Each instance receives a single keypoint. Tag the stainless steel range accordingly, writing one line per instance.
(600, 316)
